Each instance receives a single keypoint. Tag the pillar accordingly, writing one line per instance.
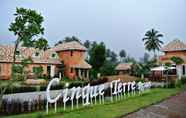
(79, 73)
(87, 74)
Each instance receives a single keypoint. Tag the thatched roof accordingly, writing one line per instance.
(123, 66)
(175, 45)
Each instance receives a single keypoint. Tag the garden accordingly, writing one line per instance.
(109, 110)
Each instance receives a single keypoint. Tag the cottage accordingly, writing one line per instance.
(67, 57)
(123, 68)
(73, 55)
(175, 48)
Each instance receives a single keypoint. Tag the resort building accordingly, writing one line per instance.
(175, 48)
(67, 59)
(72, 54)
(123, 68)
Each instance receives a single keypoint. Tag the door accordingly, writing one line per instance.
(183, 70)
(48, 70)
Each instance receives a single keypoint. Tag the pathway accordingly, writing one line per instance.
(175, 107)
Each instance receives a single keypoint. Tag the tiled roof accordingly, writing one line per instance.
(73, 45)
(175, 45)
(83, 65)
(6, 55)
(123, 66)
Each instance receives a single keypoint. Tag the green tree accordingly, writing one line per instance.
(87, 44)
(129, 59)
(68, 39)
(97, 57)
(27, 27)
(111, 56)
(140, 70)
(108, 68)
(145, 58)
(177, 60)
(152, 41)
(122, 54)
(42, 43)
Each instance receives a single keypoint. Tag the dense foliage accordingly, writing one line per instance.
(177, 60)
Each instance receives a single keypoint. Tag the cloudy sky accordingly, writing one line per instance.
(121, 24)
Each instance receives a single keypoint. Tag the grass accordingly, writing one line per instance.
(109, 110)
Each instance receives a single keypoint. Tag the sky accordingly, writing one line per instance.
(120, 24)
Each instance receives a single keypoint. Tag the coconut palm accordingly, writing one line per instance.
(152, 41)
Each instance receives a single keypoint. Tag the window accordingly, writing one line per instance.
(184, 69)
(36, 54)
(71, 70)
(71, 53)
(53, 55)
(17, 53)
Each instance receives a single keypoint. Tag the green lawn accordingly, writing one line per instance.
(109, 110)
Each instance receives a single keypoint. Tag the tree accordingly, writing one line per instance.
(68, 39)
(27, 27)
(177, 60)
(140, 70)
(108, 68)
(42, 43)
(145, 58)
(87, 44)
(122, 54)
(129, 59)
(38, 71)
(152, 41)
(111, 56)
(97, 56)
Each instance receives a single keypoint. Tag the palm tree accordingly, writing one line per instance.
(122, 55)
(152, 41)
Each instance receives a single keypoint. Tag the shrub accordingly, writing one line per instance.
(183, 79)
(77, 83)
(21, 89)
(38, 71)
(98, 81)
(140, 80)
(40, 115)
(178, 83)
(65, 79)
(171, 84)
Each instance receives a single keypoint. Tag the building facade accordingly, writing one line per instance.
(72, 54)
(67, 58)
(175, 48)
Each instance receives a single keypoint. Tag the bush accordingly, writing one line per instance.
(38, 71)
(171, 84)
(140, 80)
(178, 83)
(40, 115)
(98, 81)
(183, 79)
(77, 83)
(22, 89)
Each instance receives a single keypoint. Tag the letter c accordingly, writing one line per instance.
(49, 99)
